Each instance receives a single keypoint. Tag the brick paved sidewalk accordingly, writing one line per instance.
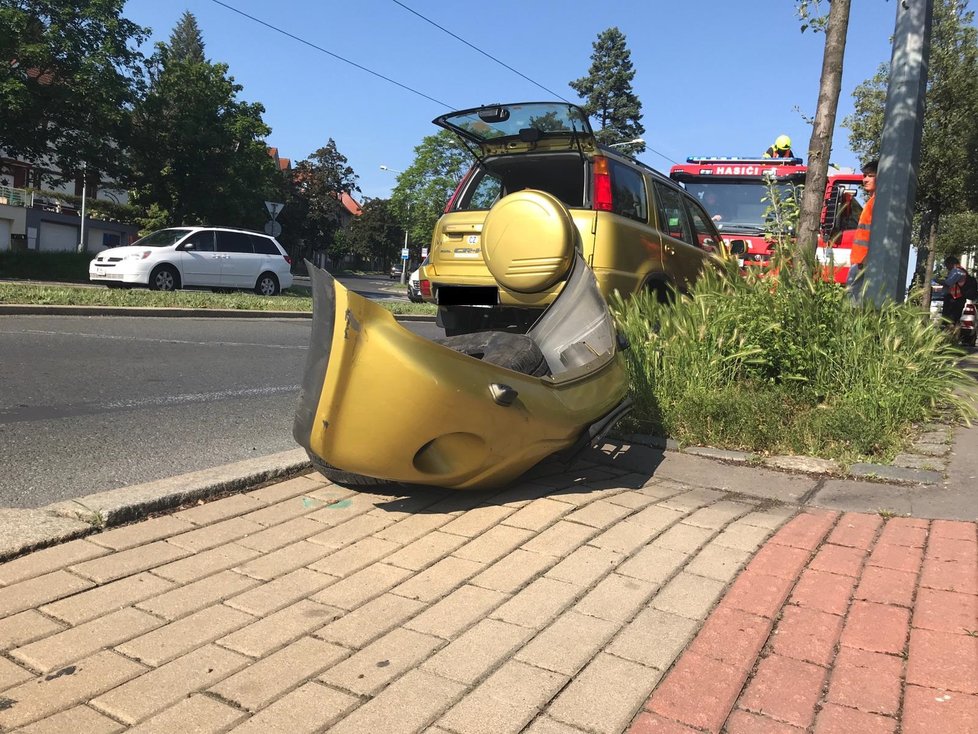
(557, 606)
(838, 625)
(553, 607)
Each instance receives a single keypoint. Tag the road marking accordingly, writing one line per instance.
(23, 413)
(157, 341)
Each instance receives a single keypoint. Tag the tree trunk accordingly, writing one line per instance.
(820, 145)
(929, 271)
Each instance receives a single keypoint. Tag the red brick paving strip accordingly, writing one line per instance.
(838, 625)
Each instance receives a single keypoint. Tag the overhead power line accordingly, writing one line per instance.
(330, 53)
(476, 48)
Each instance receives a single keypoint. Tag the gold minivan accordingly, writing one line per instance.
(542, 186)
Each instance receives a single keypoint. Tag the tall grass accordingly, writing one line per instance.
(786, 364)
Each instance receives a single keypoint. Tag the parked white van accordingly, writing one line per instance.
(197, 257)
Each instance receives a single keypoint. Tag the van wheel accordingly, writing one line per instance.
(267, 285)
(343, 478)
(164, 278)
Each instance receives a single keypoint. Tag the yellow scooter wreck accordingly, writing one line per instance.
(381, 403)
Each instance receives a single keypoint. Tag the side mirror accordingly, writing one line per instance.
(188, 246)
(738, 247)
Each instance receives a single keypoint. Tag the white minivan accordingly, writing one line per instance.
(197, 257)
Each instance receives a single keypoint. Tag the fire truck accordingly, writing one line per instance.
(733, 191)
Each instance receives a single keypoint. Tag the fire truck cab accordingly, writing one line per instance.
(734, 192)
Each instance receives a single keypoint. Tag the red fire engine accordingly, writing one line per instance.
(733, 190)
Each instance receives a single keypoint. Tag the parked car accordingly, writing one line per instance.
(395, 271)
(541, 178)
(197, 257)
(414, 287)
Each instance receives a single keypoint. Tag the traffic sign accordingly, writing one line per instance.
(273, 228)
(424, 252)
(404, 254)
(273, 208)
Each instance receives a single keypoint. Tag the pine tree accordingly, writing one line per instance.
(186, 41)
(607, 90)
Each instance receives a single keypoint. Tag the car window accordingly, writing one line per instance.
(628, 192)
(263, 245)
(672, 214)
(484, 193)
(706, 236)
(202, 241)
(234, 242)
(842, 210)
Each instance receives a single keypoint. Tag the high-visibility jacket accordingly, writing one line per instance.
(773, 152)
(860, 242)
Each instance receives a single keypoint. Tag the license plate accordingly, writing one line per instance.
(100, 271)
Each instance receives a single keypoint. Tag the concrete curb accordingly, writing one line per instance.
(23, 530)
(19, 309)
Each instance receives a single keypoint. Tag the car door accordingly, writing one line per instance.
(199, 263)
(239, 264)
(681, 256)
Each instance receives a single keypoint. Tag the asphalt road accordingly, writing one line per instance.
(95, 403)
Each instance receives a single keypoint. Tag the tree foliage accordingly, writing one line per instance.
(319, 182)
(69, 75)
(423, 189)
(607, 91)
(186, 41)
(375, 235)
(198, 153)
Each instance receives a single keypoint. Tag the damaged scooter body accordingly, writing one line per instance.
(380, 401)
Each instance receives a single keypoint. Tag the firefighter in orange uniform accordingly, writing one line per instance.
(860, 242)
(780, 149)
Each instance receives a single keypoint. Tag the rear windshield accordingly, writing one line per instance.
(563, 176)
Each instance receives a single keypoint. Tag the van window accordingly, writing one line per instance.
(706, 236)
(202, 241)
(628, 195)
(672, 214)
(234, 242)
(263, 245)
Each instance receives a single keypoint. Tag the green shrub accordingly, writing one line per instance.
(70, 267)
(786, 365)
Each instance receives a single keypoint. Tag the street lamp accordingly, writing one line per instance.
(636, 141)
(403, 259)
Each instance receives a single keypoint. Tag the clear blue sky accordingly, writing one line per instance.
(715, 77)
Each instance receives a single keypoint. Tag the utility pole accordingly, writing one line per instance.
(903, 120)
(82, 245)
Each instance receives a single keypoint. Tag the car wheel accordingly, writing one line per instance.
(343, 478)
(267, 285)
(516, 352)
(164, 278)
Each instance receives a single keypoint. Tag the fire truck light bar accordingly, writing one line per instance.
(756, 161)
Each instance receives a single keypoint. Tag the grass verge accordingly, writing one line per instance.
(292, 299)
(787, 366)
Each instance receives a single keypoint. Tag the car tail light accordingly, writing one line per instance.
(287, 259)
(425, 287)
(602, 184)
